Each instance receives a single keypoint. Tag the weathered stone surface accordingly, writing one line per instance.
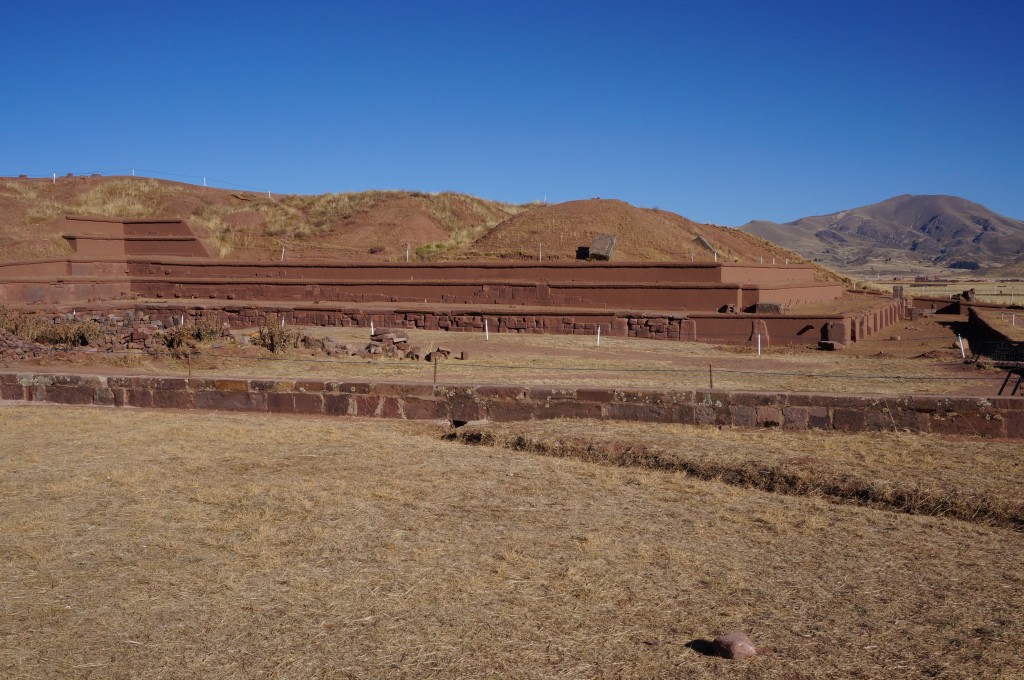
(976, 416)
(768, 416)
(735, 645)
(602, 247)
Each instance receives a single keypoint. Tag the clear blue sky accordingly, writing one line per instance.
(721, 111)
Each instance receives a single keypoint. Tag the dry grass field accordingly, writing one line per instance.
(167, 545)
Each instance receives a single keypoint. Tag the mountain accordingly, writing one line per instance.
(905, 234)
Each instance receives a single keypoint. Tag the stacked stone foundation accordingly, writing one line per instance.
(960, 415)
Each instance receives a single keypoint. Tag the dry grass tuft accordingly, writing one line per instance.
(277, 547)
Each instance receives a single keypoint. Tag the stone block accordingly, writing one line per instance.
(281, 402)
(465, 409)
(570, 409)
(141, 398)
(848, 419)
(338, 405)
(172, 399)
(12, 392)
(704, 414)
(423, 409)
(308, 402)
(768, 416)
(602, 247)
(648, 413)
(734, 645)
(231, 401)
(366, 406)
(601, 396)
(500, 392)
(231, 385)
(743, 416)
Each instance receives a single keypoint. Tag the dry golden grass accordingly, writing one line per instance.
(977, 481)
(276, 547)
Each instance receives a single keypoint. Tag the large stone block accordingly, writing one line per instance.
(848, 419)
(172, 399)
(230, 401)
(424, 409)
(309, 402)
(466, 409)
(12, 392)
(338, 405)
(492, 392)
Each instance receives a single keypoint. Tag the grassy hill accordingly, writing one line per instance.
(370, 225)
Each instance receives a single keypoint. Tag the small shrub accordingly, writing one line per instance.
(276, 337)
(180, 338)
(207, 326)
(26, 326)
(73, 334)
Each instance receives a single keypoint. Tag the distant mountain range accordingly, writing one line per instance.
(905, 234)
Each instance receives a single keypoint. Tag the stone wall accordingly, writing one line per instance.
(721, 328)
(961, 415)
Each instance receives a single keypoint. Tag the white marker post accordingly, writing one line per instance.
(282, 253)
(54, 178)
(598, 335)
(487, 331)
(371, 326)
(133, 172)
(540, 252)
(758, 344)
(963, 355)
(408, 247)
(282, 322)
(204, 181)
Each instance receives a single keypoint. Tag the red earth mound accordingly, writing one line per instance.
(643, 235)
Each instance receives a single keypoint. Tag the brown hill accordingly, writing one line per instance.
(643, 235)
(370, 225)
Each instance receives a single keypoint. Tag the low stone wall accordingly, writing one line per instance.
(718, 328)
(988, 417)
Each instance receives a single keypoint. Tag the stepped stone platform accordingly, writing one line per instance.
(161, 262)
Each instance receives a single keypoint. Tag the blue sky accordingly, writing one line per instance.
(720, 111)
